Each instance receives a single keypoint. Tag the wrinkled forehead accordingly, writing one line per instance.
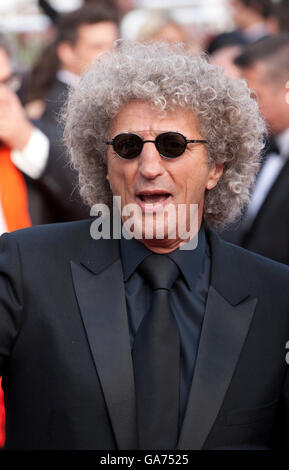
(144, 116)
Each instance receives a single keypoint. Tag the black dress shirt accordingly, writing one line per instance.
(188, 299)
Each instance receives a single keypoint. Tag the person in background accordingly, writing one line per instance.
(265, 224)
(81, 36)
(23, 153)
(224, 48)
(159, 25)
(253, 17)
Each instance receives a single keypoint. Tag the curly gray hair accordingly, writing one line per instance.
(167, 77)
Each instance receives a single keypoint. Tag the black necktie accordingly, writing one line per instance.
(156, 358)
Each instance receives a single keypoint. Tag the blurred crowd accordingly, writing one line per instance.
(37, 183)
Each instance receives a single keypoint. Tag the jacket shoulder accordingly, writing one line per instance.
(64, 236)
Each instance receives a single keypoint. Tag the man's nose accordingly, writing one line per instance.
(150, 161)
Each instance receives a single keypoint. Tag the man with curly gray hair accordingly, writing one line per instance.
(169, 338)
(227, 119)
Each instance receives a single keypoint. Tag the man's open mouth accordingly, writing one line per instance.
(152, 200)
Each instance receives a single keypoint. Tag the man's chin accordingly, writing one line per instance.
(148, 227)
(167, 226)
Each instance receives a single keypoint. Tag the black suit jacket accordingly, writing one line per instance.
(65, 352)
(54, 197)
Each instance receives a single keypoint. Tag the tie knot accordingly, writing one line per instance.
(159, 271)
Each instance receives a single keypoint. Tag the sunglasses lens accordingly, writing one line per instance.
(171, 144)
(127, 145)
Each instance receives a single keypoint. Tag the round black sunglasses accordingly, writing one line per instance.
(169, 144)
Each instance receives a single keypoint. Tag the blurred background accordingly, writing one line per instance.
(29, 26)
(45, 45)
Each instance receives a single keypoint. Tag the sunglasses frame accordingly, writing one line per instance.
(186, 142)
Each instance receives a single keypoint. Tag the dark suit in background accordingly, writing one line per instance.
(264, 228)
(65, 352)
(54, 197)
(267, 233)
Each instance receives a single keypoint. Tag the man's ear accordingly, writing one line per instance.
(214, 175)
(65, 53)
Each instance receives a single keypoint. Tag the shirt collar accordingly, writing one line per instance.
(189, 262)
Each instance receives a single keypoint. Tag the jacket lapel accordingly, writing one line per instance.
(99, 288)
(227, 319)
